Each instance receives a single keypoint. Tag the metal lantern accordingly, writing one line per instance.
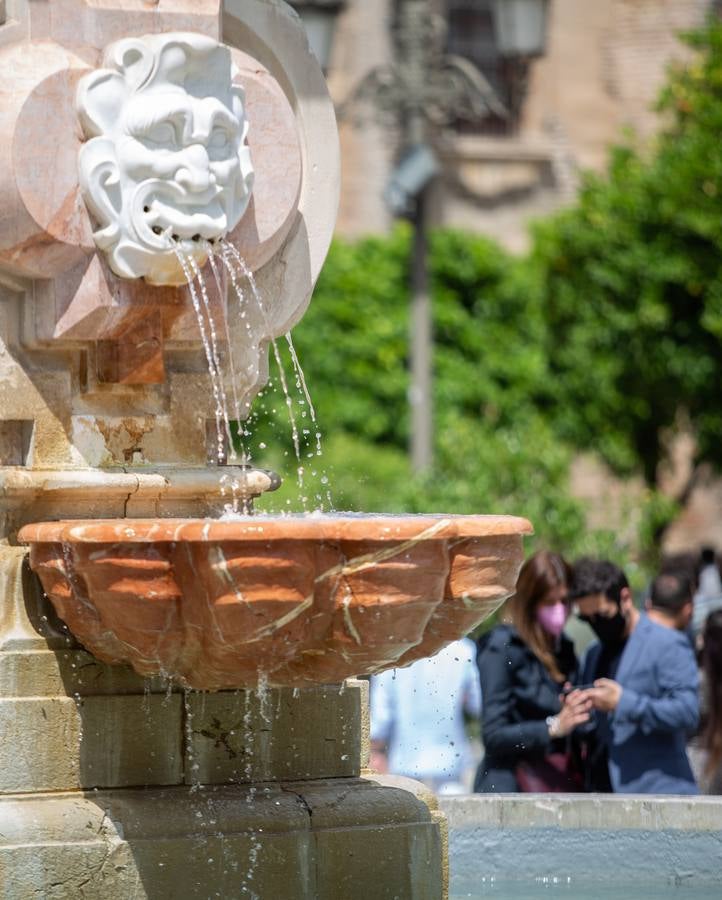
(319, 19)
(520, 26)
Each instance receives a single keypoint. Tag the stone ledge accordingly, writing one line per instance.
(583, 811)
(155, 484)
(325, 840)
(286, 735)
(48, 673)
(161, 812)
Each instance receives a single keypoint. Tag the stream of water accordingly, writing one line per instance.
(223, 428)
(244, 287)
(231, 257)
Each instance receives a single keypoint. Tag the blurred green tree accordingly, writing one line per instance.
(631, 283)
(495, 453)
(600, 339)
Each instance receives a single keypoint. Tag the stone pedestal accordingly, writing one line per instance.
(112, 786)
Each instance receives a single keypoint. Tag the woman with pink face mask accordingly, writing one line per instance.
(525, 668)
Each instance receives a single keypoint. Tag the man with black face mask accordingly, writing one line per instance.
(643, 686)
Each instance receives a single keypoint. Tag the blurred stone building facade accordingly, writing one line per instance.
(604, 64)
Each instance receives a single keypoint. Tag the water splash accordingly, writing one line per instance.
(249, 743)
(263, 697)
(237, 266)
(192, 764)
(301, 384)
(240, 273)
(238, 291)
(228, 248)
(236, 483)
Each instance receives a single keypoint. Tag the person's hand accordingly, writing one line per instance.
(378, 758)
(575, 711)
(605, 694)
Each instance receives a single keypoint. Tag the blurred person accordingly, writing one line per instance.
(708, 596)
(711, 736)
(417, 718)
(670, 602)
(681, 562)
(645, 684)
(523, 668)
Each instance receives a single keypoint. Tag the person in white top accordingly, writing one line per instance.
(709, 590)
(417, 718)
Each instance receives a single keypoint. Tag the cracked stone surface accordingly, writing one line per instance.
(296, 841)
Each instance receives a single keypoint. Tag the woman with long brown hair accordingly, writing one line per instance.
(711, 777)
(524, 668)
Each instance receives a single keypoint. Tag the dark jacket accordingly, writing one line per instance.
(658, 710)
(517, 696)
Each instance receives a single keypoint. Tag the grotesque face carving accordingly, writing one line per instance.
(166, 163)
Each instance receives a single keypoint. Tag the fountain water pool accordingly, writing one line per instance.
(596, 846)
(571, 889)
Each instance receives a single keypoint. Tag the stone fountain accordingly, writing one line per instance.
(179, 711)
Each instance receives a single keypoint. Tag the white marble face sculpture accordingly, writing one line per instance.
(165, 164)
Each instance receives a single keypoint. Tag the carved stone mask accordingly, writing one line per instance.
(165, 164)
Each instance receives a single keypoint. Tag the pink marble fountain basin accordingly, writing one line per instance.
(283, 601)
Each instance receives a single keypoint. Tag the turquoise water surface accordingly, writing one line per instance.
(499, 890)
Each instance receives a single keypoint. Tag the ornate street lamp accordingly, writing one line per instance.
(420, 92)
(520, 27)
(319, 18)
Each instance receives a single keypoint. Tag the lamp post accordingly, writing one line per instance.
(420, 92)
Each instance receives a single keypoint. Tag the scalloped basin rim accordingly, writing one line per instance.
(286, 601)
(259, 527)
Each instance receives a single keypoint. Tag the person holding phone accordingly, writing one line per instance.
(523, 668)
(645, 682)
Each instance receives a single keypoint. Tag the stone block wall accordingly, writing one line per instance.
(642, 43)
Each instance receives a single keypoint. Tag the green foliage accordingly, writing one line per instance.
(598, 340)
(631, 279)
(353, 339)
(495, 453)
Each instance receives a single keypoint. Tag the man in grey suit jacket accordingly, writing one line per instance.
(645, 682)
